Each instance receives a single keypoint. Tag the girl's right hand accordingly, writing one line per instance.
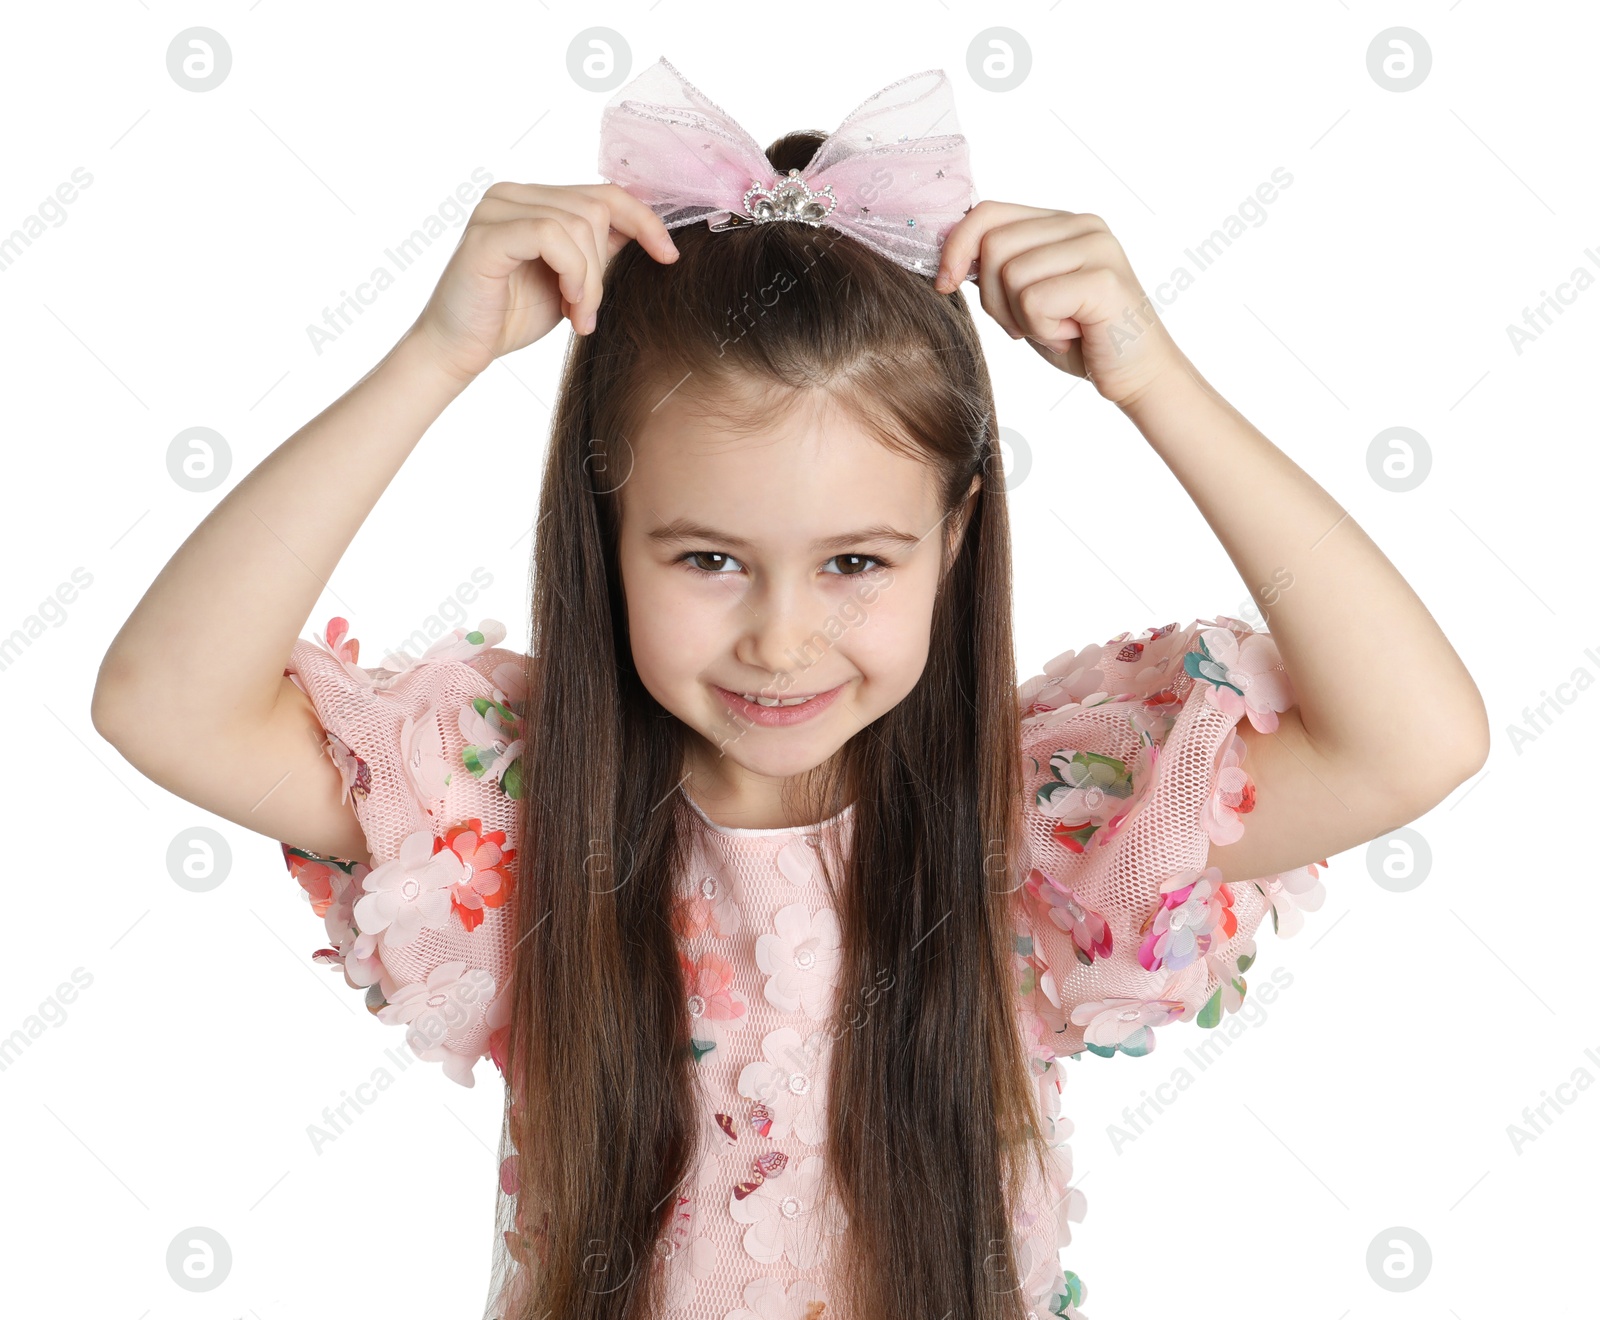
(530, 255)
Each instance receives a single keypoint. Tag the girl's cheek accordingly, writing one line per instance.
(888, 625)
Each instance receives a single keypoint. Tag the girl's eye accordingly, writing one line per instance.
(692, 555)
(857, 568)
(862, 561)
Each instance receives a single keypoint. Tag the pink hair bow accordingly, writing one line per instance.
(894, 175)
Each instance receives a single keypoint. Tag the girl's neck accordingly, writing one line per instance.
(757, 804)
(725, 824)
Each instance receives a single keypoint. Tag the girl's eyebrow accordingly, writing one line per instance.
(686, 529)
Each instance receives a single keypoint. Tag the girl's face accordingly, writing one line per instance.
(800, 560)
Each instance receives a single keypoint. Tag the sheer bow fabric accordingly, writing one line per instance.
(894, 175)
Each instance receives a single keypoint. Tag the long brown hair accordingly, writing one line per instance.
(930, 1103)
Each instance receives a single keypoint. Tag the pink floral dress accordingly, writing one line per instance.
(1132, 771)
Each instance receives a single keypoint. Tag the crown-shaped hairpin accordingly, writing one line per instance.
(791, 198)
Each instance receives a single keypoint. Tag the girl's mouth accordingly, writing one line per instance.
(779, 716)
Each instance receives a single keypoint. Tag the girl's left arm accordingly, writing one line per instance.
(1387, 719)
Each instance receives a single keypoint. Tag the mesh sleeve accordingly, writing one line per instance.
(1132, 769)
(429, 752)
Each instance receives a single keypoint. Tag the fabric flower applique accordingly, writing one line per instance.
(336, 640)
(355, 778)
(786, 1216)
(456, 645)
(1036, 1033)
(1068, 680)
(1068, 1203)
(1124, 667)
(486, 868)
(423, 755)
(767, 1298)
(1071, 1292)
(332, 885)
(1243, 678)
(1091, 936)
(1125, 1024)
(1039, 1275)
(699, 1258)
(716, 1008)
(1033, 971)
(801, 960)
(1233, 795)
(327, 882)
(1145, 665)
(707, 908)
(789, 1086)
(1228, 973)
(410, 891)
(433, 1008)
(493, 749)
(1091, 796)
(1195, 912)
(1293, 894)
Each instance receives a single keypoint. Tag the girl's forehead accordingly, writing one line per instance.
(808, 442)
(802, 479)
(686, 432)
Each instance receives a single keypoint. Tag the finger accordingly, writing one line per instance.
(978, 232)
(636, 220)
(1071, 358)
(965, 237)
(500, 208)
(537, 235)
(1024, 251)
(1021, 261)
(629, 218)
(1053, 308)
(591, 238)
(583, 292)
(588, 220)
(626, 213)
(1001, 248)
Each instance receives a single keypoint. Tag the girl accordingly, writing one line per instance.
(773, 899)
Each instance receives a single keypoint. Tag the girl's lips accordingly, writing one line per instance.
(777, 717)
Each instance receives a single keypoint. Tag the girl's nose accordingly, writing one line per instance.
(786, 634)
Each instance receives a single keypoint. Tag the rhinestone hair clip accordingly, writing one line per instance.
(791, 199)
(894, 175)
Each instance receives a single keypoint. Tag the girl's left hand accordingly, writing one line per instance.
(1060, 280)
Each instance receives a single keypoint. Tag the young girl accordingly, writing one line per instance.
(772, 898)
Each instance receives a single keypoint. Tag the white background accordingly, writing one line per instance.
(176, 1089)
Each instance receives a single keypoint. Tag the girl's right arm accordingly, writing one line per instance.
(192, 690)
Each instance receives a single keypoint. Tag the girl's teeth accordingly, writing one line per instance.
(772, 701)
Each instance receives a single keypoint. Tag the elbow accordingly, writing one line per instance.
(1453, 762)
(112, 702)
(1472, 741)
(106, 713)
